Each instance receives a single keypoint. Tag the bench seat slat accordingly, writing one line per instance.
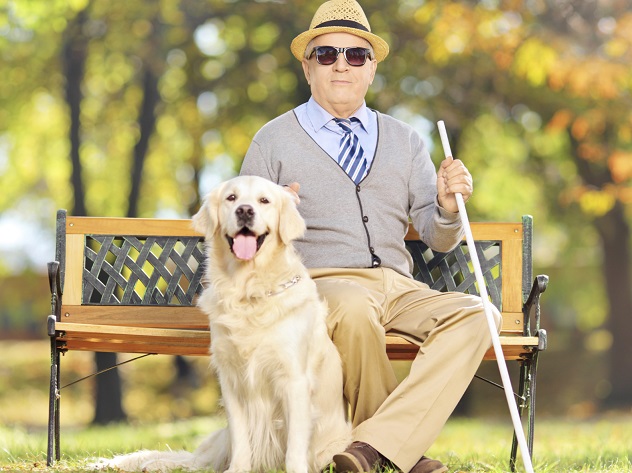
(121, 339)
(176, 317)
(187, 317)
(514, 348)
(108, 331)
(156, 348)
(117, 338)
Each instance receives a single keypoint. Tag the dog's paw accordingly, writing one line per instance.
(298, 466)
(296, 469)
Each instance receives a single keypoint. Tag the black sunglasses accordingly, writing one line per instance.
(327, 55)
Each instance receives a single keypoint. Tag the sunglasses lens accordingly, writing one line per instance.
(326, 55)
(356, 56)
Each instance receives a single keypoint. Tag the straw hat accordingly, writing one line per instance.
(339, 16)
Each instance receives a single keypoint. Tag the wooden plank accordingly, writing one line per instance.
(123, 333)
(511, 352)
(509, 340)
(196, 342)
(484, 231)
(129, 226)
(513, 348)
(156, 348)
(497, 231)
(108, 338)
(512, 323)
(177, 341)
(512, 275)
(73, 280)
(184, 317)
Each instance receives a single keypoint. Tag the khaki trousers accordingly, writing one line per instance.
(402, 421)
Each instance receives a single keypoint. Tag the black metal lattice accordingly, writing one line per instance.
(454, 271)
(131, 270)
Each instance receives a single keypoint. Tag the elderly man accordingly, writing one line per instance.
(362, 176)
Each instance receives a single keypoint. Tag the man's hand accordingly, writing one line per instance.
(293, 189)
(453, 177)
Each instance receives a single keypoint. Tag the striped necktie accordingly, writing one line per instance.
(351, 155)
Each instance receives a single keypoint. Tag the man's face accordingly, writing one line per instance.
(339, 88)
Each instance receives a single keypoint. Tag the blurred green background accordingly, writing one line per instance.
(119, 108)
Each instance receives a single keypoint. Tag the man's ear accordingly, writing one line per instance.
(206, 220)
(291, 224)
(373, 71)
(305, 64)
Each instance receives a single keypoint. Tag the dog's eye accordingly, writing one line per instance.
(231, 197)
(264, 200)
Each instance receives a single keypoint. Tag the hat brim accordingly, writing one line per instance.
(299, 44)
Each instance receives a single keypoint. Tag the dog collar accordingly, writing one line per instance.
(285, 286)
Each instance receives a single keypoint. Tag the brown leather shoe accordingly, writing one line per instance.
(428, 465)
(359, 457)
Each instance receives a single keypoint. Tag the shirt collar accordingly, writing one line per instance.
(319, 117)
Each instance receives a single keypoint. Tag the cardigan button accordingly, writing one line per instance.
(358, 188)
(365, 219)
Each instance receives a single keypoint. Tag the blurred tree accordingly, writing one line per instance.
(156, 100)
(559, 72)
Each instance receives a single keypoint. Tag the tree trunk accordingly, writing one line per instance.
(74, 60)
(615, 237)
(108, 391)
(108, 404)
(147, 125)
(614, 233)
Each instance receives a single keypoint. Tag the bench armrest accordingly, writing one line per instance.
(54, 280)
(532, 305)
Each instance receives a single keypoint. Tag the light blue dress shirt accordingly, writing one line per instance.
(320, 125)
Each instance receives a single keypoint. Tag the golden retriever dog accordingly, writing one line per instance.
(280, 374)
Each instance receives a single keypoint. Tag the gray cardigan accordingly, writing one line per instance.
(347, 224)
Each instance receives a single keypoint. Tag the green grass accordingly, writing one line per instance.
(474, 445)
(593, 442)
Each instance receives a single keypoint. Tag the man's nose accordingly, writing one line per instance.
(341, 63)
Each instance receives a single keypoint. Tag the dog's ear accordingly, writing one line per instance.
(291, 224)
(206, 221)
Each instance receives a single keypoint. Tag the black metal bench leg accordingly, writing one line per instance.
(51, 417)
(532, 389)
(523, 392)
(57, 409)
(53, 407)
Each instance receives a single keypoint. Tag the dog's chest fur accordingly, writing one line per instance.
(255, 342)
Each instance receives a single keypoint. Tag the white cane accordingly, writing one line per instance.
(500, 357)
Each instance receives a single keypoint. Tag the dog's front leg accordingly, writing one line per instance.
(241, 453)
(299, 419)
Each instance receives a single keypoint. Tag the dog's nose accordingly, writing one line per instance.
(245, 214)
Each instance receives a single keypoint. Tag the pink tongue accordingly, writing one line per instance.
(245, 246)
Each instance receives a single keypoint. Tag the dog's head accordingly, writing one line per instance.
(249, 213)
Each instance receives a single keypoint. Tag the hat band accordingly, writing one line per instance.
(346, 23)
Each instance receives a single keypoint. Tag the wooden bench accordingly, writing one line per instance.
(129, 286)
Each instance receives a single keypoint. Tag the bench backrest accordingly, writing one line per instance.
(154, 268)
(505, 254)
